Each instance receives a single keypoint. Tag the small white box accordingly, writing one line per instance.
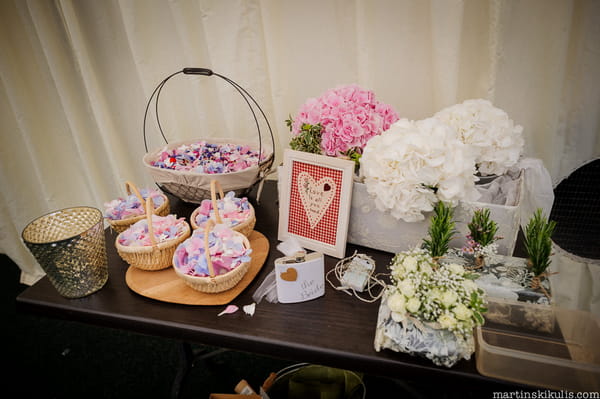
(357, 274)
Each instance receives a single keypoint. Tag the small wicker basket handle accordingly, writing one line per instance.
(209, 224)
(214, 184)
(149, 213)
(129, 187)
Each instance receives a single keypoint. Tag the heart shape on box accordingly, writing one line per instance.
(290, 274)
(316, 196)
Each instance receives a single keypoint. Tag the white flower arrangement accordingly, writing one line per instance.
(430, 309)
(415, 164)
(441, 296)
(497, 141)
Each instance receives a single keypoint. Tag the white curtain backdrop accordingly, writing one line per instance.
(75, 77)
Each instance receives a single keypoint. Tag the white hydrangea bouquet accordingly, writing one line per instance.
(494, 138)
(430, 309)
(415, 164)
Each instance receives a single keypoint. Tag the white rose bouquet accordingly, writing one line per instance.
(415, 164)
(496, 140)
(430, 309)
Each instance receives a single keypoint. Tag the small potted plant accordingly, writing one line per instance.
(482, 236)
(538, 245)
(441, 231)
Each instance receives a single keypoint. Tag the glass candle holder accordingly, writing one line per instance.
(70, 246)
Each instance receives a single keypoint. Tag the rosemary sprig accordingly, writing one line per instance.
(441, 230)
(483, 230)
(538, 243)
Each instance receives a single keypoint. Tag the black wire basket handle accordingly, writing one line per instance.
(207, 72)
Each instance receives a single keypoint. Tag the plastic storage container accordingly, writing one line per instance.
(543, 346)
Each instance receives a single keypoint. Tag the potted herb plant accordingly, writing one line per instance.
(482, 236)
(441, 231)
(538, 245)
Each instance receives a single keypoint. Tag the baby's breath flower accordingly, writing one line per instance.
(447, 321)
(434, 293)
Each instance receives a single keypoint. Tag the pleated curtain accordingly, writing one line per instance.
(75, 77)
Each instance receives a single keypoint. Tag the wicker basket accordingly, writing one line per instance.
(214, 284)
(123, 224)
(246, 227)
(158, 256)
(193, 187)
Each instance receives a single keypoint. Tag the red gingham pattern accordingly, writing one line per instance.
(326, 230)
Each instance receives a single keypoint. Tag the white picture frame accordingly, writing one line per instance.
(314, 201)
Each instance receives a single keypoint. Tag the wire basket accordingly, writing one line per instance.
(246, 227)
(157, 256)
(194, 186)
(121, 225)
(214, 284)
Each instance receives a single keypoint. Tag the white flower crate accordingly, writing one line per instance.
(375, 229)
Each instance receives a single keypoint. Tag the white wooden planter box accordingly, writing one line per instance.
(372, 228)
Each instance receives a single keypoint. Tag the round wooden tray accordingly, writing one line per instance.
(164, 285)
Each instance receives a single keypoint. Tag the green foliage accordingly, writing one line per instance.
(353, 155)
(441, 230)
(478, 306)
(538, 243)
(309, 138)
(483, 230)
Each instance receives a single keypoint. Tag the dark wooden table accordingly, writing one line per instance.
(335, 330)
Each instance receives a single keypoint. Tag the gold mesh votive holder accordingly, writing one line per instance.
(70, 246)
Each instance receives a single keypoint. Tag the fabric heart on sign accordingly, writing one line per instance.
(316, 196)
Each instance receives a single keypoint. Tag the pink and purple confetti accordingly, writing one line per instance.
(130, 206)
(232, 210)
(165, 228)
(203, 157)
(226, 248)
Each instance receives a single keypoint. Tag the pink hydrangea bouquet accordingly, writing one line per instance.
(340, 122)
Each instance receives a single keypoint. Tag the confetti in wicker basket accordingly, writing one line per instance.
(157, 256)
(246, 227)
(121, 225)
(214, 284)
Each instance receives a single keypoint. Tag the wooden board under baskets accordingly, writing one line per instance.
(164, 285)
